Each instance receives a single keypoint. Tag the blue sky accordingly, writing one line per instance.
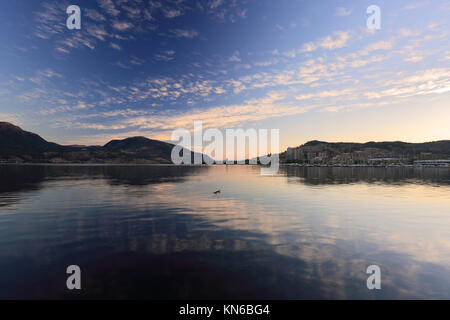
(310, 68)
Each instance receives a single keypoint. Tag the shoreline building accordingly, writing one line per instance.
(432, 163)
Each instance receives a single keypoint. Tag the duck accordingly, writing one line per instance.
(217, 192)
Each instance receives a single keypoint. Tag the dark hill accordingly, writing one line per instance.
(142, 148)
(136, 144)
(14, 137)
(17, 145)
(15, 141)
(361, 152)
(441, 147)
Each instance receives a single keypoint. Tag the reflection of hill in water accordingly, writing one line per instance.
(20, 178)
(24, 178)
(398, 175)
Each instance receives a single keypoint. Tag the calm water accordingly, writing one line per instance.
(159, 232)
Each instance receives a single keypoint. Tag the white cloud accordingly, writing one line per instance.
(109, 7)
(215, 3)
(242, 13)
(136, 61)
(97, 32)
(115, 46)
(122, 25)
(405, 32)
(291, 54)
(171, 13)
(94, 15)
(185, 33)
(132, 12)
(324, 94)
(9, 117)
(167, 55)
(266, 63)
(423, 82)
(62, 50)
(339, 41)
(308, 47)
(413, 6)
(235, 57)
(342, 12)
(415, 57)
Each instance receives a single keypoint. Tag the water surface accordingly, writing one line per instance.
(159, 232)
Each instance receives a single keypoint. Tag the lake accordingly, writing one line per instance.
(159, 232)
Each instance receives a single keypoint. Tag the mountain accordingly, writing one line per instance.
(17, 145)
(14, 139)
(398, 147)
(351, 152)
(140, 145)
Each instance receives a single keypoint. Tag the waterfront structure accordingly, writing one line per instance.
(376, 161)
(432, 163)
(369, 153)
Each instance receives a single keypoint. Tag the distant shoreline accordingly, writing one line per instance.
(363, 165)
(217, 164)
(111, 164)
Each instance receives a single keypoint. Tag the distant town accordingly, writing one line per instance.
(319, 153)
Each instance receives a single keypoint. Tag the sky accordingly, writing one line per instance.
(145, 68)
